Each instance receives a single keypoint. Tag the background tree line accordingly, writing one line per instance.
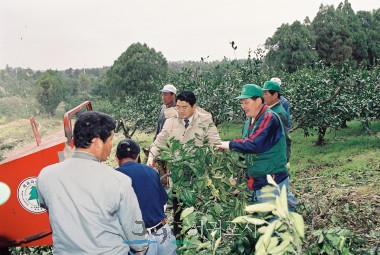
(329, 67)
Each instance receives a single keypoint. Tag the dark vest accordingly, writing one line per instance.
(271, 161)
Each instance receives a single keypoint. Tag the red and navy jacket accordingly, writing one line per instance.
(263, 137)
(264, 146)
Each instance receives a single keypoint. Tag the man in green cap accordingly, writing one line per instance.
(272, 94)
(263, 143)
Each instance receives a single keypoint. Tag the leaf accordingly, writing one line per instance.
(273, 243)
(217, 244)
(163, 148)
(280, 249)
(262, 229)
(213, 233)
(240, 219)
(320, 238)
(264, 240)
(261, 207)
(186, 212)
(255, 221)
(282, 204)
(203, 245)
(271, 181)
(217, 208)
(298, 223)
(268, 195)
(334, 218)
(268, 189)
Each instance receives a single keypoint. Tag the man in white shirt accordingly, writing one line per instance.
(168, 93)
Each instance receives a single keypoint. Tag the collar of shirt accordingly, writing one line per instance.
(171, 105)
(253, 120)
(128, 163)
(190, 120)
(270, 106)
(84, 155)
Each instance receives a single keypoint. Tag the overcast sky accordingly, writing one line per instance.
(59, 34)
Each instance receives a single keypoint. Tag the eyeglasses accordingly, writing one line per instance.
(182, 108)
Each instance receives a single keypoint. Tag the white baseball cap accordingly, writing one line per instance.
(169, 88)
(275, 79)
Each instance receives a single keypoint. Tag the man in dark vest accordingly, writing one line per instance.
(264, 145)
(272, 94)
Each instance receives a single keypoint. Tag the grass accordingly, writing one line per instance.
(337, 185)
(350, 156)
(347, 152)
(16, 133)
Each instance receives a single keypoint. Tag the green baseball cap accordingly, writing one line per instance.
(250, 90)
(272, 85)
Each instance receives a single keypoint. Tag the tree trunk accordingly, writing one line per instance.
(321, 135)
(344, 124)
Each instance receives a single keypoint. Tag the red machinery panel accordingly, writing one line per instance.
(22, 221)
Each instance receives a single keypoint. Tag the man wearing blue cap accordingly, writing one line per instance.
(263, 143)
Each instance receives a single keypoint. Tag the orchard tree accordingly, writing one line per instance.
(316, 98)
(139, 68)
(48, 94)
(290, 48)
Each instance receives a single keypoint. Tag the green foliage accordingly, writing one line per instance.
(139, 68)
(327, 97)
(333, 38)
(330, 242)
(17, 82)
(282, 231)
(370, 22)
(358, 35)
(14, 107)
(207, 186)
(140, 110)
(291, 47)
(48, 91)
(217, 85)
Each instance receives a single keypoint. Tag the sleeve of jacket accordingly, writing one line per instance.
(161, 139)
(213, 134)
(263, 137)
(130, 218)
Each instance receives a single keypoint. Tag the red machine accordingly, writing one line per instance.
(22, 221)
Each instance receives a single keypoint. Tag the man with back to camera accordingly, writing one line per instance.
(284, 102)
(168, 93)
(151, 195)
(92, 208)
(263, 143)
(272, 94)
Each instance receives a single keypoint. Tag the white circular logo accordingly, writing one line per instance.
(28, 197)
